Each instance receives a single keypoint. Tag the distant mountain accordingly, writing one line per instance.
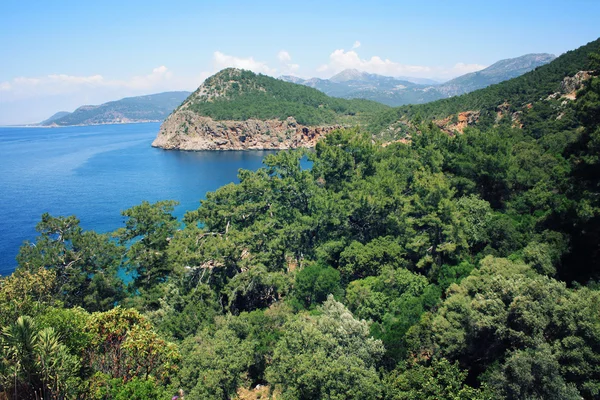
(352, 84)
(420, 81)
(54, 117)
(501, 71)
(154, 107)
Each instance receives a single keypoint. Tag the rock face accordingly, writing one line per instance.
(185, 130)
(572, 84)
(458, 123)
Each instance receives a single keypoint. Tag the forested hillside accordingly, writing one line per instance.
(443, 267)
(234, 94)
(518, 94)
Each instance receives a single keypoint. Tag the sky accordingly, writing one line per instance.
(59, 55)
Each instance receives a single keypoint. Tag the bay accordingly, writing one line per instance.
(95, 172)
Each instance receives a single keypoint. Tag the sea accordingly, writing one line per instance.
(95, 172)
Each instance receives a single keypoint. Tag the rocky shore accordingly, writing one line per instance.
(185, 130)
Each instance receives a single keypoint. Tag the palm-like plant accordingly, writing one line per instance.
(18, 342)
(33, 362)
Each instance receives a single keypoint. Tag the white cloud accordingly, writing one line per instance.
(62, 78)
(284, 56)
(159, 75)
(221, 61)
(287, 66)
(462, 68)
(356, 45)
(341, 59)
(160, 79)
(26, 81)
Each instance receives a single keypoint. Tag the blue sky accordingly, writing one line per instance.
(57, 55)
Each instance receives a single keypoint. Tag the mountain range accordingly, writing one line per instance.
(352, 84)
(149, 108)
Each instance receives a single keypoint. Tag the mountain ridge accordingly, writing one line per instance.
(147, 108)
(498, 72)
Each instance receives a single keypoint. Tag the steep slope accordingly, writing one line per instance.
(237, 109)
(354, 84)
(154, 107)
(545, 90)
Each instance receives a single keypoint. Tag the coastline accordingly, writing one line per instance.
(80, 125)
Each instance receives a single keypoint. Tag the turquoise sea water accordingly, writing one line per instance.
(94, 172)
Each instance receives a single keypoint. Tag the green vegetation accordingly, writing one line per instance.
(452, 267)
(240, 95)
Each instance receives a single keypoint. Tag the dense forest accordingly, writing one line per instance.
(234, 94)
(446, 267)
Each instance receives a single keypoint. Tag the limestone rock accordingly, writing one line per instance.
(185, 130)
(573, 83)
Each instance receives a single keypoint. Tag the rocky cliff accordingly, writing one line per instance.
(186, 130)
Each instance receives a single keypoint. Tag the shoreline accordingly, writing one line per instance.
(81, 125)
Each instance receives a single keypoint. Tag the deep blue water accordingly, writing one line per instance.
(94, 172)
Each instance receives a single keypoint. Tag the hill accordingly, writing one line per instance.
(353, 84)
(519, 98)
(150, 108)
(238, 109)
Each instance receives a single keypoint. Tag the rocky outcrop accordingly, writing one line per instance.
(186, 130)
(458, 122)
(572, 84)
